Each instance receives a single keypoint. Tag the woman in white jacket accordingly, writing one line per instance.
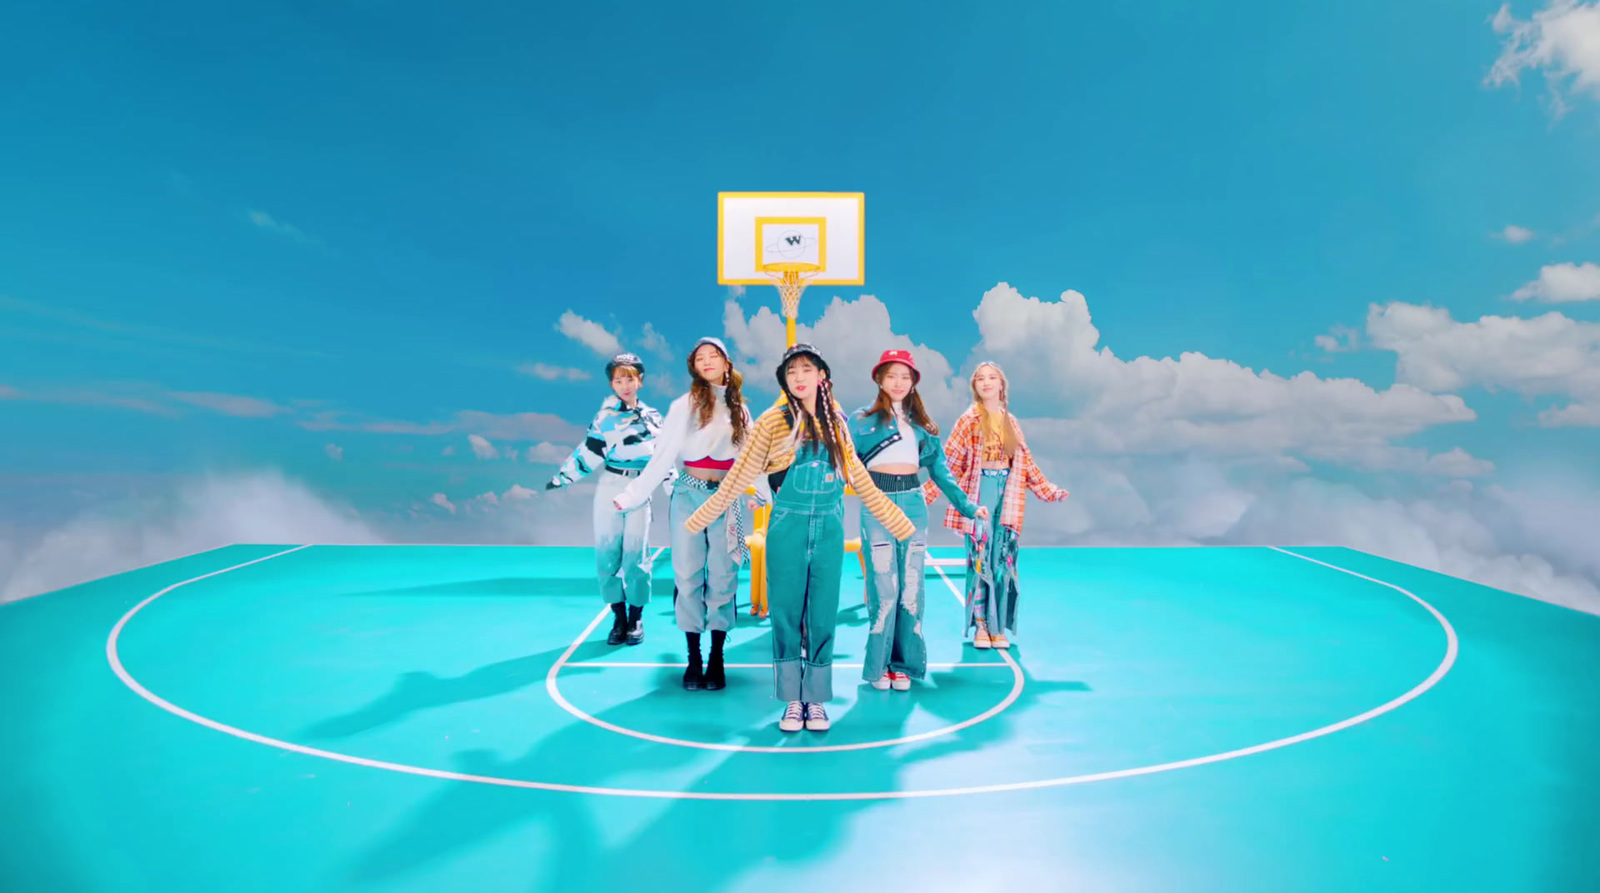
(701, 437)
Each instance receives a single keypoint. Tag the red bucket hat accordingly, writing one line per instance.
(898, 356)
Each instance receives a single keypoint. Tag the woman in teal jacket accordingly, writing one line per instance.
(895, 439)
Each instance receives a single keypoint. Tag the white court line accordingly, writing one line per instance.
(936, 546)
(618, 664)
(553, 688)
(1415, 692)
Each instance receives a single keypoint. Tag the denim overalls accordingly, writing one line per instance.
(805, 557)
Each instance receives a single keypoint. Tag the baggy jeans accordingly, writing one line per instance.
(706, 573)
(895, 590)
(621, 545)
(805, 557)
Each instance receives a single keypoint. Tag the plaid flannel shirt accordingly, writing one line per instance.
(963, 449)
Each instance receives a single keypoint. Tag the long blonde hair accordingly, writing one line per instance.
(1008, 430)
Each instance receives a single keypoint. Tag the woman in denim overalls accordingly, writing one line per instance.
(804, 445)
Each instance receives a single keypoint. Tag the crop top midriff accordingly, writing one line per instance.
(709, 463)
(902, 451)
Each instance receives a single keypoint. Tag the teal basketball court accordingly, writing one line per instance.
(443, 718)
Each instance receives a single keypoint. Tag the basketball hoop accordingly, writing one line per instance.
(791, 240)
(791, 278)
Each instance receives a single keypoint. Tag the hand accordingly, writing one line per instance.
(983, 511)
(617, 504)
(1062, 496)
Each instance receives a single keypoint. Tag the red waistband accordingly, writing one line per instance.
(708, 462)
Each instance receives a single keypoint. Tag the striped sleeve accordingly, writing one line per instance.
(751, 462)
(888, 514)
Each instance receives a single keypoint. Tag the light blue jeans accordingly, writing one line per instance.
(706, 574)
(895, 589)
(621, 545)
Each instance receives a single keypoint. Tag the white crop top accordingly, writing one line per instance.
(902, 451)
(682, 440)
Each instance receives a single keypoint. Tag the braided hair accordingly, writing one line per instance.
(823, 426)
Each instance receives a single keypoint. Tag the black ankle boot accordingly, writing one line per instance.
(635, 624)
(619, 624)
(715, 680)
(692, 678)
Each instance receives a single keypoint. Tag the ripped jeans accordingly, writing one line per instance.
(895, 591)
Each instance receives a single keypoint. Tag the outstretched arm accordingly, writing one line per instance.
(939, 475)
(958, 459)
(1036, 482)
(588, 456)
(663, 458)
(751, 462)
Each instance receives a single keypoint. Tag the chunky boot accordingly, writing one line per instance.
(619, 624)
(715, 679)
(693, 680)
(635, 624)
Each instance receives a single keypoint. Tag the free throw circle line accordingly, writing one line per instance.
(554, 689)
(1417, 691)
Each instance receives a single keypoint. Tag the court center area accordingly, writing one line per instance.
(425, 718)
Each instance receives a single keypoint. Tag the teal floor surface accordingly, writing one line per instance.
(449, 718)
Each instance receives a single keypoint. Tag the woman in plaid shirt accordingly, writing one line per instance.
(995, 469)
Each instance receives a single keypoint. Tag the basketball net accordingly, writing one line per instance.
(791, 279)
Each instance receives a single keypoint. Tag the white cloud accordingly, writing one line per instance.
(199, 514)
(1563, 283)
(548, 453)
(481, 447)
(1490, 535)
(654, 342)
(851, 336)
(1192, 405)
(1340, 339)
(590, 334)
(442, 501)
(1516, 235)
(334, 451)
(547, 372)
(1452, 533)
(449, 450)
(1561, 40)
(267, 222)
(1546, 355)
(231, 404)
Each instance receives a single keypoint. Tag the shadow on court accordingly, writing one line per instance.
(599, 843)
(417, 691)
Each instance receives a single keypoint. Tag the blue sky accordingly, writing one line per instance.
(387, 207)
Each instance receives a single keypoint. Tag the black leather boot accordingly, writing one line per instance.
(619, 624)
(693, 680)
(635, 624)
(715, 680)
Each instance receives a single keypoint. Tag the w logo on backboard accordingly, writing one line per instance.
(792, 244)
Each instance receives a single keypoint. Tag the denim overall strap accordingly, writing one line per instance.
(805, 559)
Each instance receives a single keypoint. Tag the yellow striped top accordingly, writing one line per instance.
(769, 447)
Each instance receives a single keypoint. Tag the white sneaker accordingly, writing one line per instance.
(816, 718)
(981, 638)
(900, 681)
(882, 682)
(791, 717)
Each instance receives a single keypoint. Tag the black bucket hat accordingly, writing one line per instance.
(798, 350)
